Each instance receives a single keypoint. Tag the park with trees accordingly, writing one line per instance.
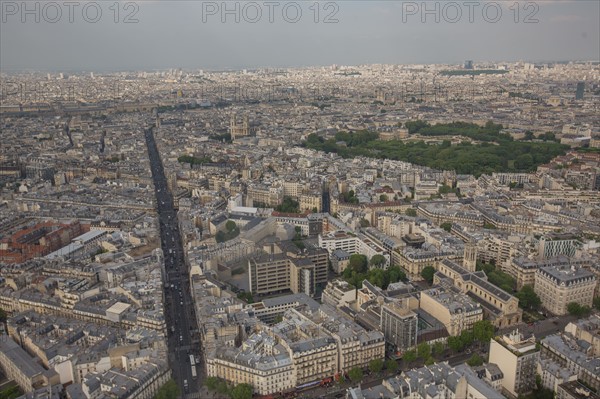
(485, 148)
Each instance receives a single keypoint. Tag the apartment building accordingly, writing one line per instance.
(399, 325)
(264, 196)
(498, 248)
(308, 345)
(571, 355)
(339, 260)
(261, 361)
(352, 244)
(456, 310)
(524, 269)
(516, 357)
(414, 261)
(439, 380)
(339, 293)
(311, 201)
(587, 330)
(558, 286)
(284, 268)
(575, 390)
(17, 365)
(356, 346)
(272, 273)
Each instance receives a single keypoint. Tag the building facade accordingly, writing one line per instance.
(559, 286)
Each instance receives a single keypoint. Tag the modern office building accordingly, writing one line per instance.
(555, 244)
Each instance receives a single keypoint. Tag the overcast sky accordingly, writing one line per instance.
(192, 34)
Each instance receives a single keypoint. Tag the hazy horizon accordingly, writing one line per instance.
(192, 35)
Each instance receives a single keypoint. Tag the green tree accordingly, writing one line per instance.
(411, 212)
(242, 391)
(528, 299)
(289, 205)
(391, 365)
(423, 350)
(429, 361)
(597, 303)
(358, 263)
(475, 360)
(364, 223)
(223, 388)
(355, 374)
(378, 277)
(466, 337)
(410, 356)
(396, 274)
(377, 261)
(529, 135)
(383, 198)
(230, 225)
(489, 226)
(524, 162)
(246, 296)
(505, 155)
(455, 343)
(427, 273)
(446, 226)
(169, 390)
(376, 365)
(483, 330)
(211, 383)
(437, 348)
(576, 309)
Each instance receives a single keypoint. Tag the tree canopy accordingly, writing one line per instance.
(427, 273)
(391, 365)
(528, 299)
(446, 226)
(168, 391)
(355, 374)
(289, 205)
(410, 356)
(358, 263)
(483, 330)
(493, 151)
(242, 391)
(376, 365)
(411, 212)
(379, 277)
(424, 350)
(578, 310)
(377, 261)
(475, 360)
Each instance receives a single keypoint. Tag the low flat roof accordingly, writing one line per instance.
(118, 307)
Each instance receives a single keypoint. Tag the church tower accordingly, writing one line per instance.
(470, 256)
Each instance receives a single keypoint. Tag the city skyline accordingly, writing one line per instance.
(192, 35)
(299, 199)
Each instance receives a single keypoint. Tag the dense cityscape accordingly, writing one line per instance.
(360, 232)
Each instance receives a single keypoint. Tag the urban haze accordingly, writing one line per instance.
(279, 199)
